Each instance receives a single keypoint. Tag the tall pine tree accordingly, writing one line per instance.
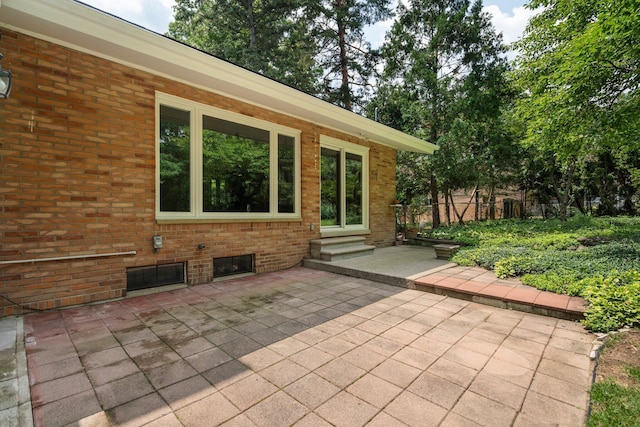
(270, 37)
(315, 46)
(346, 58)
(444, 81)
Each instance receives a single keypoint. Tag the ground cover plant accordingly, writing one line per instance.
(596, 258)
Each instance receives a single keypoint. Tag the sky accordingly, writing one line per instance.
(508, 16)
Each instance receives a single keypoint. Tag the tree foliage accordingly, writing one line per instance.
(444, 81)
(270, 37)
(579, 75)
(235, 173)
(315, 46)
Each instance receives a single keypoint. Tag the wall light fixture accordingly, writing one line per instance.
(5, 82)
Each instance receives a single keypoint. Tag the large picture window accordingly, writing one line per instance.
(214, 164)
(344, 186)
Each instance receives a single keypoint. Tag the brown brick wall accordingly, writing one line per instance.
(77, 163)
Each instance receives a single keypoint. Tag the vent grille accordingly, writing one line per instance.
(155, 275)
(228, 266)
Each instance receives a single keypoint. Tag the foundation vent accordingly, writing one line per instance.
(155, 275)
(228, 266)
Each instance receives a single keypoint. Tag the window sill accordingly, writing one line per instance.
(224, 220)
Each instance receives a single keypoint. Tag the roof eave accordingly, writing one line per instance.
(75, 25)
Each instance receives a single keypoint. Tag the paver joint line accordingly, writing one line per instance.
(373, 353)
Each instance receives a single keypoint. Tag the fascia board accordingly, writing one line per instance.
(80, 27)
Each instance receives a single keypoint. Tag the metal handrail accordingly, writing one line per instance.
(64, 258)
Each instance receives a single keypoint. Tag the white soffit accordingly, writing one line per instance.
(75, 25)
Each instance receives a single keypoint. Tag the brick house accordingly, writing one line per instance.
(129, 160)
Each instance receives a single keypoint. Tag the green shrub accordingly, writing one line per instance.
(466, 257)
(517, 265)
(613, 301)
(484, 256)
(542, 233)
(560, 283)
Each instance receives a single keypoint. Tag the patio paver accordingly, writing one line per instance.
(371, 354)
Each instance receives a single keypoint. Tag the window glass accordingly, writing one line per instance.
(216, 164)
(353, 190)
(330, 187)
(344, 186)
(286, 174)
(175, 154)
(235, 167)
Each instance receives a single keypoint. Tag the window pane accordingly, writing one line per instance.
(353, 196)
(174, 160)
(330, 187)
(286, 174)
(235, 167)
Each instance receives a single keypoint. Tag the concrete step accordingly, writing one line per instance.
(344, 252)
(523, 298)
(336, 248)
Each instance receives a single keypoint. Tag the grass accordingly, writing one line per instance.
(614, 405)
(615, 396)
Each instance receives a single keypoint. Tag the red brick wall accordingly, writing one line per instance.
(77, 168)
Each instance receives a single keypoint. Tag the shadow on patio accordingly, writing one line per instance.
(303, 347)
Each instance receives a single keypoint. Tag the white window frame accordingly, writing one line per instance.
(343, 148)
(197, 111)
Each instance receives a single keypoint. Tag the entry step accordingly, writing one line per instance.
(335, 248)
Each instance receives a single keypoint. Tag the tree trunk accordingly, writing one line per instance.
(252, 35)
(563, 189)
(492, 204)
(455, 210)
(344, 65)
(435, 206)
(464, 211)
(568, 182)
(579, 202)
(447, 206)
(491, 214)
(252, 28)
(563, 208)
(475, 214)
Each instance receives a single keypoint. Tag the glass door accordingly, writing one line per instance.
(330, 188)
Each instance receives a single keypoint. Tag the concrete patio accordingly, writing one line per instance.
(304, 347)
(416, 267)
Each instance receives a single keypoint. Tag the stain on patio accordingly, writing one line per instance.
(304, 347)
